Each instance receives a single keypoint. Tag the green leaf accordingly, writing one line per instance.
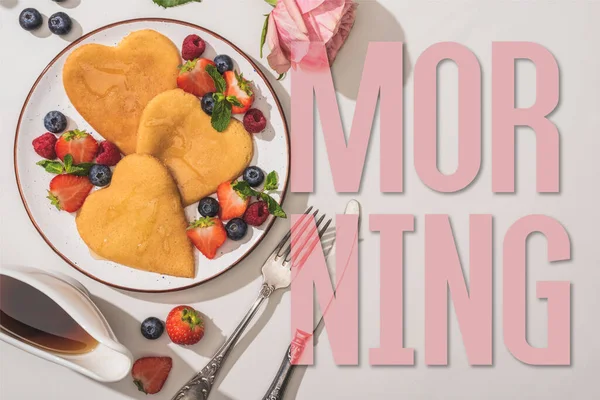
(274, 207)
(188, 66)
(68, 162)
(244, 190)
(263, 35)
(173, 3)
(272, 182)
(220, 83)
(281, 76)
(243, 83)
(221, 115)
(203, 222)
(53, 200)
(272, 2)
(234, 100)
(54, 167)
(74, 134)
(81, 169)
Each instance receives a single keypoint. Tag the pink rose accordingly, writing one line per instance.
(297, 27)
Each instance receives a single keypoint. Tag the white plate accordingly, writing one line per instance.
(58, 228)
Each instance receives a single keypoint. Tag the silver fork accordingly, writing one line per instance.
(276, 275)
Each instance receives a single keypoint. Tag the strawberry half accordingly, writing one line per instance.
(150, 373)
(80, 144)
(194, 79)
(232, 203)
(207, 234)
(185, 325)
(68, 192)
(241, 88)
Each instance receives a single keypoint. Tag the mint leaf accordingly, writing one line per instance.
(263, 35)
(274, 207)
(234, 100)
(173, 3)
(221, 115)
(54, 167)
(80, 169)
(272, 182)
(272, 2)
(220, 83)
(68, 163)
(244, 190)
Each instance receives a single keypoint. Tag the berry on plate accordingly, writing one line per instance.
(255, 121)
(208, 103)
(152, 328)
(192, 48)
(233, 204)
(257, 213)
(30, 19)
(150, 373)
(108, 154)
(60, 23)
(80, 144)
(44, 145)
(224, 63)
(55, 122)
(185, 325)
(100, 175)
(194, 79)
(68, 192)
(241, 88)
(207, 234)
(236, 229)
(254, 176)
(208, 207)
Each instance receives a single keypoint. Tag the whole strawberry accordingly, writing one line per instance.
(185, 325)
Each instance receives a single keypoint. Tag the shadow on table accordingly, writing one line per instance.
(374, 23)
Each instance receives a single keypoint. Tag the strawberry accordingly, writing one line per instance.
(233, 204)
(185, 325)
(80, 144)
(241, 88)
(68, 192)
(207, 234)
(194, 79)
(150, 373)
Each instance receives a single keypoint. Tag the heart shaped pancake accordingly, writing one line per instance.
(174, 129)
(138, 221)
(110, 86)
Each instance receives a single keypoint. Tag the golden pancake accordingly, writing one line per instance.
(110, 86)
(138, 220)
(174, 129)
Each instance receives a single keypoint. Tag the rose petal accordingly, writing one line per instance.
(295, 14)
(278, 58)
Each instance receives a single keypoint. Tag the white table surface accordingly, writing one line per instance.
(570, 30)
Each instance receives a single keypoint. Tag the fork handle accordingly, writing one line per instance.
(199, 387)
(281, 379)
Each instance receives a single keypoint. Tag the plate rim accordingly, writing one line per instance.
(94, 32)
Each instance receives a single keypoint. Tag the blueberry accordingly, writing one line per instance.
(152, 328)
(208, 207)
(30, 19)
(224, 63)
(55, 122)
(208, 103)
(254, 176)
(100, 175)
(60, 23)
(236, 229)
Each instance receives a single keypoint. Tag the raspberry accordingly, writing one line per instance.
(44, 146)
(257, 213)
(108, 154)
(193, 47)
(254, 121)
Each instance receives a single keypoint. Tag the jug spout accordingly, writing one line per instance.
(92, 349)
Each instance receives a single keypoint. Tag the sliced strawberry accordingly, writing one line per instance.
(150, 373)
(194, 79)
(241, 88)
(232, 203)
(68, 192)
(80, 144)
(207, 234)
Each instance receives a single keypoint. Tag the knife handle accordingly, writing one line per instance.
(281, 379)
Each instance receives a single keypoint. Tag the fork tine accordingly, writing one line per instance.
(313, 243)
(300, 231)
(294, 243)
(287, 235)
(300, 225)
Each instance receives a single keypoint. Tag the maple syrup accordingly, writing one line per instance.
(29, 315)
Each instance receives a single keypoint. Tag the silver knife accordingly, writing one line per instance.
(295, 349)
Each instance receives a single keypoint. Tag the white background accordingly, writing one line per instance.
(569, 29)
